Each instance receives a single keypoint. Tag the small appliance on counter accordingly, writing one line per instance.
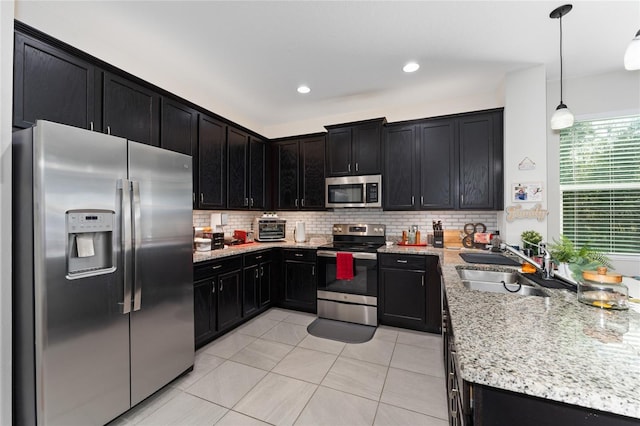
(269, 227)
(215, 239)
(242, 236)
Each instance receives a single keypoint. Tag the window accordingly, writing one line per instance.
(600, 184)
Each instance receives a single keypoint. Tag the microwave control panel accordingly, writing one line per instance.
(372, 192)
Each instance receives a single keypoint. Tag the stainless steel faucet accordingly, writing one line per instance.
(546, 270)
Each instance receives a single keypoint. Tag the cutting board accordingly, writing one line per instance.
(452, 238)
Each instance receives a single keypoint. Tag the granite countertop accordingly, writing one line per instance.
(201, 256)
(555, 348)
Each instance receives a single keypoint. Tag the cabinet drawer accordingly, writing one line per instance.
(403, 261)
(209, 269)
(300, 255)
(251, 259)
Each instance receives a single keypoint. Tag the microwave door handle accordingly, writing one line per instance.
(124, 186)
(137, 242)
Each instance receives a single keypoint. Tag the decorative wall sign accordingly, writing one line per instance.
(526, 164)
(535, 212)
(530, 192)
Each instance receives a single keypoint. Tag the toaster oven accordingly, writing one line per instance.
(269, 229)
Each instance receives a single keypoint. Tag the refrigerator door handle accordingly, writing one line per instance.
(124, 186)
(137, 242)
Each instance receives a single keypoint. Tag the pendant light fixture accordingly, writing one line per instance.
(632, 55)
(562, 118)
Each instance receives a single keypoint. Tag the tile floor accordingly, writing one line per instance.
(271, 371)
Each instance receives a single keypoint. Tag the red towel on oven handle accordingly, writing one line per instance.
(344, 266)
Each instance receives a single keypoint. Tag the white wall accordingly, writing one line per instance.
(6, 90)
(607, 95)
(524, 137)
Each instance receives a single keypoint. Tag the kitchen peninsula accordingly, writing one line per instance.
(548, 354)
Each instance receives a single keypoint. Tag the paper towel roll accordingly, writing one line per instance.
(84, 244)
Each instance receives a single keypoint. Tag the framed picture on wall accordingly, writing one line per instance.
(530, 192)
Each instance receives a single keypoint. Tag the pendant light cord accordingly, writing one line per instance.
(561, 102)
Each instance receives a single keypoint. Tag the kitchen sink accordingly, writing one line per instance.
(505, 282)
(504, 288)
(493, 276)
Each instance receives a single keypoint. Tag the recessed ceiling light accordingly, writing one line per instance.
(411, 67)
(304, 89)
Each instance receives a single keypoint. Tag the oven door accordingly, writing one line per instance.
(365, 274)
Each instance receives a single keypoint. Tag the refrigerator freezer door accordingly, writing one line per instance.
(81, 336)
(162, 336)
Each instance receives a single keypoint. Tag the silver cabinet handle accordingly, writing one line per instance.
(296, 202)
(221, 285)
(257, 273)
(91, 126)
(137, 243)
(298, 254)
(124, 186)
(313, 270)
(108, 130)
(258, 257)
(356, 166)
(261, 271)
(412, 200)
(202, 197)
(401, 261)
(246, 201)
(213, 287)
(422, 200)
(462, 198)
(349, 167)
(422, 280)
(193, 197)
(216, 267)
(251, 202)
(302, 201)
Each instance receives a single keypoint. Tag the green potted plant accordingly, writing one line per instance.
(565, 255)
(530, 240)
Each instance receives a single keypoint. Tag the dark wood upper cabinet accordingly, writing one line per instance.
(399, 181)
(437, 159)
(50, 84)
(179, 130)
(130, 110)
(355, 148)
(237, 148)
(444, 163)
(212, 164)
(257, 173)
(300, 167)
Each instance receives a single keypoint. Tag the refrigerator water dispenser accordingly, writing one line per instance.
(89, 242)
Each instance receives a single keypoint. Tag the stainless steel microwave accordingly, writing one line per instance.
(354, 191)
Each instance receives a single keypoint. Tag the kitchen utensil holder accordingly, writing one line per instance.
(438, 238)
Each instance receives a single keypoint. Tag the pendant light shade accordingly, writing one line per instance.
(632, 55)
(563, 117)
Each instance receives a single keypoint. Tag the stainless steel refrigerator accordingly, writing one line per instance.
(102, 285)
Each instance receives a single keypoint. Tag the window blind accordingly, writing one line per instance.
(600, 183)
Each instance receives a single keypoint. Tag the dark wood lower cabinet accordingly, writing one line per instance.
(409, 291)
(229, 299)
(205, 309)
(299, 276)
(256, 293)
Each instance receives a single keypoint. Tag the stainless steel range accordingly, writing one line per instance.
(348, 274)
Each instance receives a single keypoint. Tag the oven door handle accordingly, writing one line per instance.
(356, 255)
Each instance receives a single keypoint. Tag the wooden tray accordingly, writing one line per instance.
(401, 244)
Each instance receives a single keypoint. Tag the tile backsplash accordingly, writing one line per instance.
(319, 223)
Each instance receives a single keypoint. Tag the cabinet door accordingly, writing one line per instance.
(476, 165)
(300, 285)
(251, 290)
(257, 172)
(312, 177)
(204, 305)
(265, 284)
(212, 164)
(49, 84)
(399, 176)
(403, 298)
(129, 110)
(339, 152)
(287, 174)
(367, 149)
(437, 154)
(179, 127)
(237, 143)
(229, 299)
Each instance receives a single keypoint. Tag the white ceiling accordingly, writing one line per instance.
(245, 60)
